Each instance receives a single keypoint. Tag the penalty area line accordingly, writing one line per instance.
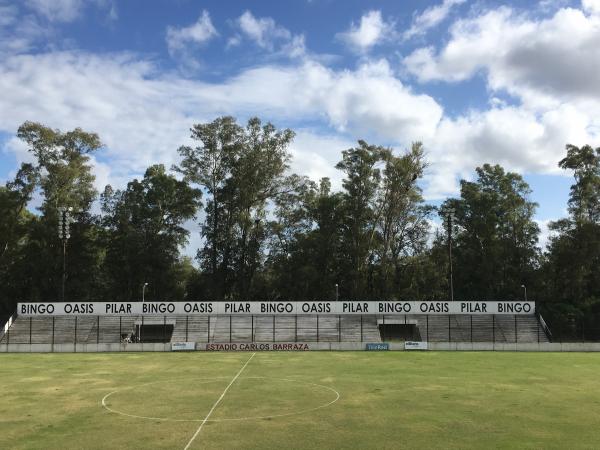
(217, 403)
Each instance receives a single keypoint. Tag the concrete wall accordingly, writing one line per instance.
(319, 346)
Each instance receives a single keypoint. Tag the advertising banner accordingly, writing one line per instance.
(209, 308)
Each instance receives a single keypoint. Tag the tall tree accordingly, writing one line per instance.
(65, 179)
(242, 170)
(145, 223)
(496, 242)
(573, 257)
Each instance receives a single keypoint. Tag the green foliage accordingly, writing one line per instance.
(495, 241)
(144, 231)
(270, 234)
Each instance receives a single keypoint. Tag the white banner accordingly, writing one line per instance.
(272, 308)
(415, 345)
(183, 346)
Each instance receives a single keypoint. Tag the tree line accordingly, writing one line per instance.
(267, 234)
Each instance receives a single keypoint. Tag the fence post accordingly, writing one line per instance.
(516, 338)
(339, 328)
(449, 335)
(383, 329)
(427, 326)
(230, 320)
(98, 331)
(273, 328)
(208, 330)
(296, 328)
(252, 329)
(30, 330)
(538, 329)
(471, 316)
(186, 327)
(493, 329)
(164, 329)
(75, 336)
(317, 328)
(361, 328)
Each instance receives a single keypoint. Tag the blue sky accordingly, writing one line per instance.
(476, 81)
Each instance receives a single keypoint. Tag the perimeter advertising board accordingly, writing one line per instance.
(272, 308)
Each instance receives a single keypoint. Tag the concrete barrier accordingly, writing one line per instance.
(313, 346)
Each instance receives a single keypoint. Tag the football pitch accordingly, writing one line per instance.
(309, 400)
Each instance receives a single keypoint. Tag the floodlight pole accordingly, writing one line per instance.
(64, 221)
(450, 274)
(144, 290)
(337, 292)
(64, 269)
(524, 291)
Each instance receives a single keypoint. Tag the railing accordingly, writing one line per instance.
(273, 328)
(544, 326)
(7, 325)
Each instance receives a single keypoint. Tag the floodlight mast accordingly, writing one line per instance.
(449, 213)
(64, 234)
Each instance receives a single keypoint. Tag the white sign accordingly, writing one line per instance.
(271, 308)
(415, 345)
(182, 346)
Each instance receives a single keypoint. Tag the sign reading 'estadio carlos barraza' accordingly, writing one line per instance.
(271, 308)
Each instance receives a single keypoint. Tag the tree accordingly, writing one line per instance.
(360, 165)
(495, 245)
(572, 289)
(64, 175)
(241, 170)
(145, 231)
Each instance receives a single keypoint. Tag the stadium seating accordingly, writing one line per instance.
(301, 328)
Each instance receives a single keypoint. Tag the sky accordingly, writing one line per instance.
(477, 82)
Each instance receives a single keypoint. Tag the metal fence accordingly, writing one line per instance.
(296, 328)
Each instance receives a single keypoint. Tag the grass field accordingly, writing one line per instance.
(290, 400)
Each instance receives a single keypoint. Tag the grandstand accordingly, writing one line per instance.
(276, 328)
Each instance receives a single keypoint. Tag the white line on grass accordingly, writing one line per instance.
(217, 402)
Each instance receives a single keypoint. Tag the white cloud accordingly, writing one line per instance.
(545, 232)
(549, 65)
(143, 117)
(430, 18)
(198, 33)
(371, 31)
(543, 62)
(591, 6)
(518, 139)
(263, 31)
(268, 35)
(57, 10)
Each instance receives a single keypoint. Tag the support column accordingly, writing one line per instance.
(471, 328)
(361, 328)
(317, 328)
